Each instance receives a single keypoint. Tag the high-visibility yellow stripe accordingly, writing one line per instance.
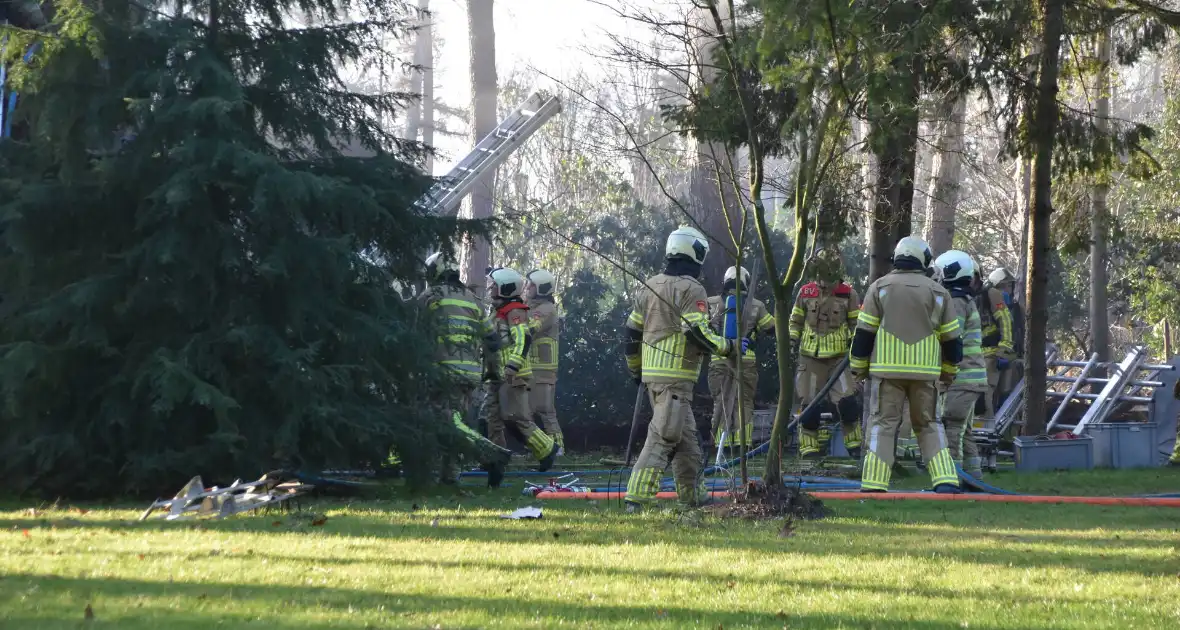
(636, 319)
(870, 321)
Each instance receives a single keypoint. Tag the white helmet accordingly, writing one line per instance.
(1000, 276)
(437, 264)
(955, 265)
(914, 248)
(732, 274)
(688, 242)
(541, 279)
(504, 283)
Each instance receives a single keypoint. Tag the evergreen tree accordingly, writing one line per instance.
(195, 279)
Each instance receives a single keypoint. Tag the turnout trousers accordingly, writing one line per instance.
(809, 379)
(722, 381)
(958, 414)
(887, 398)
(508, 410)
(542, 398)
(485, 451)
(671, 439)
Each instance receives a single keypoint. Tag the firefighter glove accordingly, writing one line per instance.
(745, 345)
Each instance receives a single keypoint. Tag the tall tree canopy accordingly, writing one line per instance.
(195, 279)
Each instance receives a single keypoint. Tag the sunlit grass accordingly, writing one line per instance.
(453, 563)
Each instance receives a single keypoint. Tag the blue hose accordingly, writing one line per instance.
(978, 485)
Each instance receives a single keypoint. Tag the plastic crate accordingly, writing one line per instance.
(1033, 454)
(1124, 444)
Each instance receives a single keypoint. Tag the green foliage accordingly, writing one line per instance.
(189, 262)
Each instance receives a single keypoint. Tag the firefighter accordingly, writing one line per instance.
(668, 337)
(821, 330)
(545, 324)
(907, 339)
(462, 330)
(508, 403)
(723, 370)
(958, 403)
(996, 322)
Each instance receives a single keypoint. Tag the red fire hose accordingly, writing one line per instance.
(919, 496)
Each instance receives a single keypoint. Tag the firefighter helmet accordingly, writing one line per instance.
(543, 280)
(955, 265)
(504, 283)
(828, 267)
(687, 242)
(438, 264)
(915, 249)
(732, 274)
(1000, 276)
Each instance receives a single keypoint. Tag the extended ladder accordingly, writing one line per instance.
(444, 197)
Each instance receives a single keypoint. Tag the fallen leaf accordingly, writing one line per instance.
(82, 510)
(730, 584)
(319, 522)
(26, 533)
(141, 556)
(88, 614)
(276, 523)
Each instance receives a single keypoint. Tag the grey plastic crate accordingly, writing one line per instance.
(1033, 454)
(1124, 444)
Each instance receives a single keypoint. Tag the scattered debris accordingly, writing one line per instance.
(194, 500)
(565, 483)
(524, 512)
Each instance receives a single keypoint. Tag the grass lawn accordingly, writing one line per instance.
(452, 563)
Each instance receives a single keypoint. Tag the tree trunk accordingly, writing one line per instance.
(1099, 326)
(897, 123)
(1040, 247)
(484, 90)
(946, 171)
(1023, 207)
(711, 190)
(427, 36)
(414, 109)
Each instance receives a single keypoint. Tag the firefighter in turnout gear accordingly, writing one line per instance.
(668, 336)
(463, 329)
(508, 404)
(996, 322)
(723, 370)
(958, 403)
(545, 324)
(907, 339)
(822, 322)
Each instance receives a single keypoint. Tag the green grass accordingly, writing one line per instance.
(453, 563)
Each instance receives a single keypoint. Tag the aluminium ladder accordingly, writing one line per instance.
(444, 197)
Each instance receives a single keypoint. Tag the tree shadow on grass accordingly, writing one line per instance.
(867, 541)
(200, 608)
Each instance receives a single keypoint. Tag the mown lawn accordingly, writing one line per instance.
(452, 563)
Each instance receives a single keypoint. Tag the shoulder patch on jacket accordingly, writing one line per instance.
(809, 290)
(842, 290)
(702, 306)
